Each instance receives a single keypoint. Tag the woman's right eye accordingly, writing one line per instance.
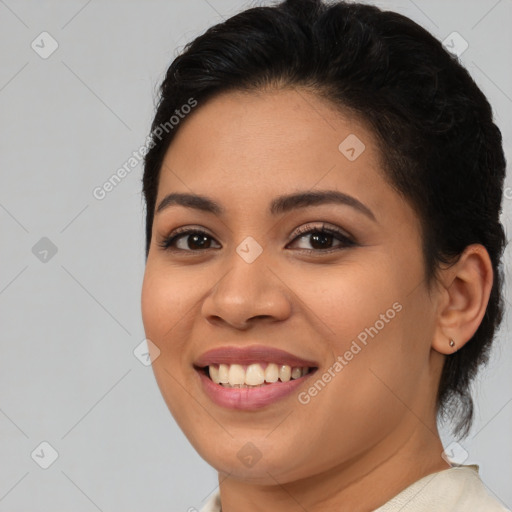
(188, 240)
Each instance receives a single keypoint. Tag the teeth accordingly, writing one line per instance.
(285, 373)
(236, 374)
(296, 373)
(254, 375)
(272, 373)
(214, 374)
(223, 374)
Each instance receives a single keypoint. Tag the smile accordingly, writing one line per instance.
(251, 377)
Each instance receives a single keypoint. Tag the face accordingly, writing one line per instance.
(299, 263)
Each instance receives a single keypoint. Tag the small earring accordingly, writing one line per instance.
(452, 343)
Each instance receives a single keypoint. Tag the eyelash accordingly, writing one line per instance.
(166, 244)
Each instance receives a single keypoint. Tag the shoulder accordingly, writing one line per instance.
(457, 489)
(212, 504)
(472, 492)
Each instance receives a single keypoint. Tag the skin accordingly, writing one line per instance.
(371, 431)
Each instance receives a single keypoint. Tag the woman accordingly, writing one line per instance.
(323, 249)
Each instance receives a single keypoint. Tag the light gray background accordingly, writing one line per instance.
(69, 325)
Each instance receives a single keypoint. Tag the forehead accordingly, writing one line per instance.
(286, 136)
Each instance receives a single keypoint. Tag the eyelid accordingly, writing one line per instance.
(183, 231)
(324, 227)
(345, 240)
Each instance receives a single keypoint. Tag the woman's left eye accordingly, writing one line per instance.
(321, 238)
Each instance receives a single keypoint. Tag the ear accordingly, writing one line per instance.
(464, 295)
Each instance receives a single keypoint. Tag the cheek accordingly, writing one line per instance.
(155, 301)
(347, 302)
(366, 326)
(165, 299)
(164, 306)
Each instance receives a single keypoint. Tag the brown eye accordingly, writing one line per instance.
(321, 239)
(191, 240)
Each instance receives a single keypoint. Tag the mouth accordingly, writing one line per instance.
(251, 377)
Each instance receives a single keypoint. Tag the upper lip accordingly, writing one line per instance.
(249, 355)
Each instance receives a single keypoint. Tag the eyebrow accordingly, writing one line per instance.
(279, 205)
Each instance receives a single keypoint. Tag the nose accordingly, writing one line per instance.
(247, 293)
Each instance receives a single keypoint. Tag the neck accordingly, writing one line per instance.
(359, 485)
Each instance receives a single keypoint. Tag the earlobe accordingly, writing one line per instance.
(445, 345)
(465, 294)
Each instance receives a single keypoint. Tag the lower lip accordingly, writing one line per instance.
(249, 398)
